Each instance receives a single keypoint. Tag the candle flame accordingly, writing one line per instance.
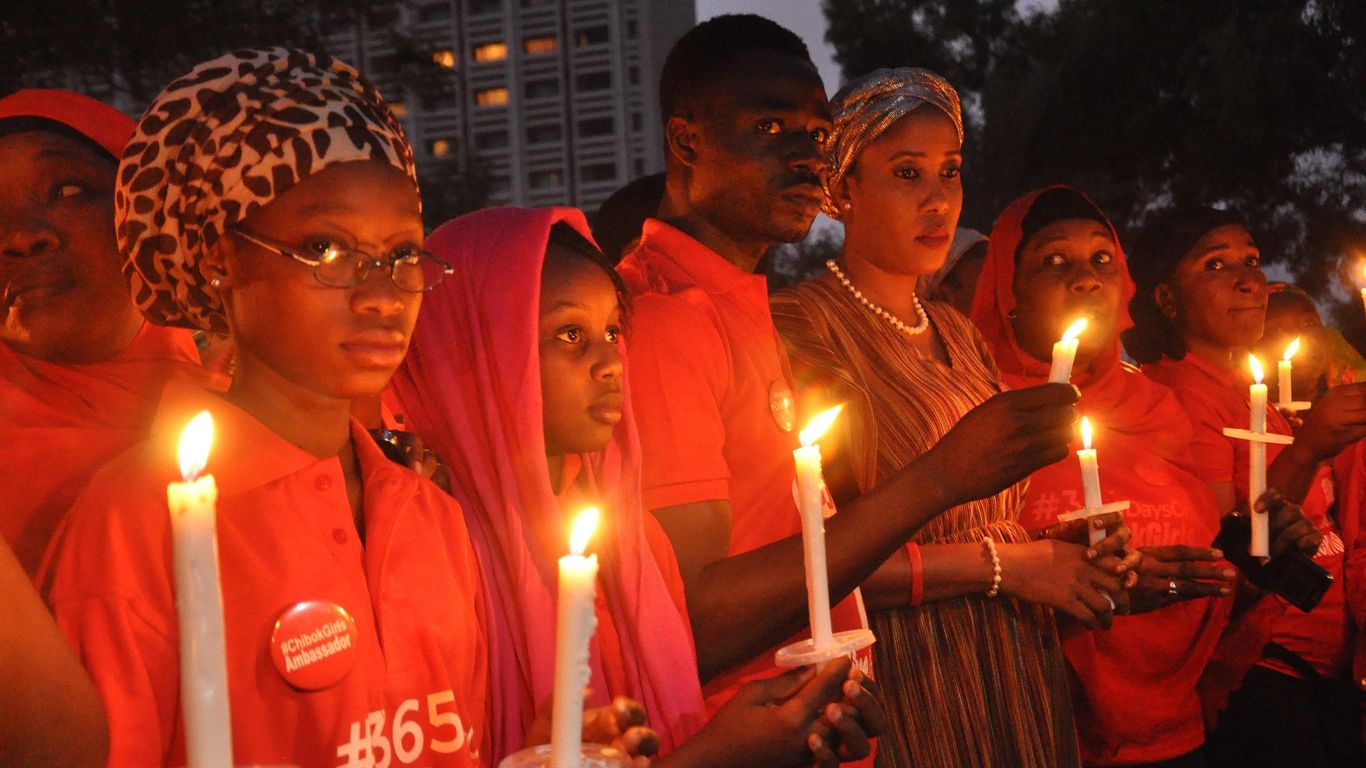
(819, 425)
(194, 445)
(1291, 349)
(1256, 366)
(1085, 433)
(1074, 330)
(582, 531)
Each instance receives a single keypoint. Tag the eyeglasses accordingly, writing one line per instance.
(412, 271)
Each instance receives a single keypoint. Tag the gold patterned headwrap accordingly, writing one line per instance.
(869, 105)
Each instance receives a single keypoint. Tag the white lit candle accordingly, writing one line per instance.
(1065, 352)
(575, 625)
(1256, 480)
(1090, 478)
(1283, 370)
(1363, 290)
(810, 493)
(199, 602)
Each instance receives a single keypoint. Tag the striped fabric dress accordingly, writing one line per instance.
(968, 681)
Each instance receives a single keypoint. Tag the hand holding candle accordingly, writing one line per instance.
(1065, 352)
(1090, 488)
(575, 625)
(199, 602)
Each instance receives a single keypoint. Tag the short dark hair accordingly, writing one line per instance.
(566, 237)
(622, 216)
(1053, 205)
(1152, 261)
(706, 52)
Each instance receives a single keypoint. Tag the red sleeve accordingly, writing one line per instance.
(134, 668)
(677, 376)
(1211, 454)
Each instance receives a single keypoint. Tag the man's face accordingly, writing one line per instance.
(760, 141)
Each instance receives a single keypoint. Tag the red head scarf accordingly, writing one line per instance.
(97, 121)
(471, 387)
(1113, 394)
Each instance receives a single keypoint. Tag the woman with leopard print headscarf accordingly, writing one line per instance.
(271, 195)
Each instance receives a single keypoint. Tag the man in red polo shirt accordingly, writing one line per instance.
(746, 122)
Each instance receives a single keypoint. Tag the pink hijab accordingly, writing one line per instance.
(471, 387)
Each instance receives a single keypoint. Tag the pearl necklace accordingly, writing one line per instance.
(909, 330)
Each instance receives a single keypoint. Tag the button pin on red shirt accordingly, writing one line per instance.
(322, 483)
(313, 644)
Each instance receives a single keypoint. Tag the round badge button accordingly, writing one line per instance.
(782, 405)
(313, 644)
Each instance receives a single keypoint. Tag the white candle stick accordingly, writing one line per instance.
(1090, 478)
(199, 603)
(810, 492)
(1284, 386)
(576, 622)
(1256, 480)
(1065, 352)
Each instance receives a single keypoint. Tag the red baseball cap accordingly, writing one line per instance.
(107, 127)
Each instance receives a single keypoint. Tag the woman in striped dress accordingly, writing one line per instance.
(967, 649)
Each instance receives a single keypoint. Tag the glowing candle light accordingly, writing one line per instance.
(1363, 290)
(810, 491)
(1256, 480)
(575, 625)
(1090, 477)
(1065, 352)
(1283, 370)
(199, 602)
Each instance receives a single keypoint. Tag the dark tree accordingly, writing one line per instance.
(1255, 104)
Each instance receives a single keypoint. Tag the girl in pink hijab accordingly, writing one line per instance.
(515, 378)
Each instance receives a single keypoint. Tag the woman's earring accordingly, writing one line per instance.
(1012, 315)
(216, 283)
(848, 206)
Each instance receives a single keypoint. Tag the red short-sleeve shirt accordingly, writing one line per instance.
(712, 395)
(417, 685)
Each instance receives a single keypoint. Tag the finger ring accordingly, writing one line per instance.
(1171, 587)
(1111, 601)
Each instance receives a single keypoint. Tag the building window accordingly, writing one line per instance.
(545, 179)
(399, 108)
(590, 36)
(542, 134)
(593, 81)
(535, 46)
(598, 172)
(542, 89)
(637, 122)
(597, 126)
(491, 140)
(445, 58)
(440, 147)
(433, 12)
(491, 97)
(537, 3)
(485, 6)
(640, 168)
(499, 186)
(632, 29)
(491, 52)
(435, 92)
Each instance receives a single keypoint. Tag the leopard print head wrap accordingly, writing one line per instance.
(223, 141)
(870, 105)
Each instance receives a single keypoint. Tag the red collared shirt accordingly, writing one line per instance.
(712, 395)
(416, 690)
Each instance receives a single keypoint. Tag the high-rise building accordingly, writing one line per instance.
(556, 101)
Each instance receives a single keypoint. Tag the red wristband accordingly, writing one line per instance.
(917, 574)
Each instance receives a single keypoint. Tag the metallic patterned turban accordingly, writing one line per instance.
(870, 105)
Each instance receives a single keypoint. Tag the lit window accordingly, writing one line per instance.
(491, 52)
(399, 108)
(439, 147)
(539, 45)
(445, 58)
(491, 97)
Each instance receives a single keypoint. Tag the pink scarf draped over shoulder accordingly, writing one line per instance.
(471, 387)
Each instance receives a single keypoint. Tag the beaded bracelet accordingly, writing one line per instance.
(917, 574)
(995, 567)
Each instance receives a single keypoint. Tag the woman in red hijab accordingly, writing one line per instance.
(515, 377)
(1054, 258)
(1200, 305)
(80, 371)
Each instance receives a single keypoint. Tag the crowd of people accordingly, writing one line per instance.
(406, 423)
